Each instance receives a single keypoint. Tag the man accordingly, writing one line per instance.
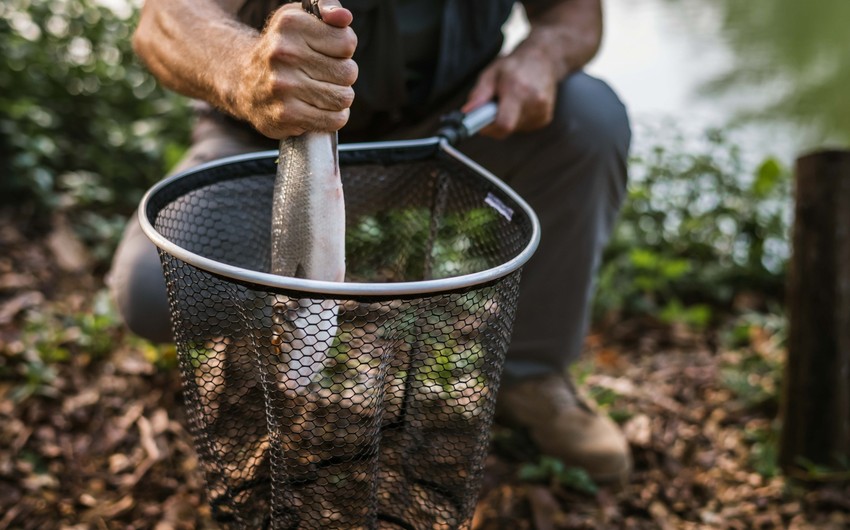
(560, 139)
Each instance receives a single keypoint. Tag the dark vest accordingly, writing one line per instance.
(470, 37)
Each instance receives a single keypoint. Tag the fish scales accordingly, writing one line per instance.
(307, 241)
(308, 212)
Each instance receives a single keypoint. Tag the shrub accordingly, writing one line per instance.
(82, 123)
(697, 228)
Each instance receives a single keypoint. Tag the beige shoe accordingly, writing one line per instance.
(563, 426)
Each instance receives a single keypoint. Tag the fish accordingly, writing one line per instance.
(307, 241)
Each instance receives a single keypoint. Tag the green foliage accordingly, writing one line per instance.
(794, 55)
(553, 471)
(696, 229)
(753, 365)
(83, 126)
(51, 336)
(54, 335)
(161, 356)
(604, 397)
(809, 471)
(764, 451)
(409, 239)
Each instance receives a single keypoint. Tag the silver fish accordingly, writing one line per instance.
(308, 241)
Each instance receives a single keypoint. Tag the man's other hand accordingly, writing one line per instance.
(525, 84)
(564, 36)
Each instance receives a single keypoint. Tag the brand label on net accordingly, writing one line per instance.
(497, 204)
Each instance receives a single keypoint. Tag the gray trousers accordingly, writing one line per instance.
(572, 172)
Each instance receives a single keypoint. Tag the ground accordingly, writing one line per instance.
(92, 433)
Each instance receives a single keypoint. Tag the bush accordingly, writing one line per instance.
(83, 126)
(697, 229)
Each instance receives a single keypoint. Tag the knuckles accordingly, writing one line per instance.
(348, 72)
(344, 98)
(282, 85)
(501, 128)
(287, 18)
(338, 120)
(283, 53)
(538, 98)
(348, 42)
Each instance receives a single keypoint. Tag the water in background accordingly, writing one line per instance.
(661, 55)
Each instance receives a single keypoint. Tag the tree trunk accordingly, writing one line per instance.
(816, 400)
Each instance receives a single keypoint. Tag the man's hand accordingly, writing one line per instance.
(564, 36)
(298, 75)
(525, 84)
(294, 76)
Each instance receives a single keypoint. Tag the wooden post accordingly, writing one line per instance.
(816, 393)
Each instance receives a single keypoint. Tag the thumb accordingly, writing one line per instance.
(333, 13)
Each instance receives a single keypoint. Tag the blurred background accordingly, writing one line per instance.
(687, 345)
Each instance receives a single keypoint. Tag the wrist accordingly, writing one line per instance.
(232, 77)
(540, 48)
(568, 32)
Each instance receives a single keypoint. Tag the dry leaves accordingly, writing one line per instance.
(100, 441)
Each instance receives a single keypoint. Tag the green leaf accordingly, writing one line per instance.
(697, 316)
(675, 268)
(643, 258)
(577, 479)
(768, 175)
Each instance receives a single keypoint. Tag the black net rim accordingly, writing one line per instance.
(404, 149)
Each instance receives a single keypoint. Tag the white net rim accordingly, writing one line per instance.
(352, 289)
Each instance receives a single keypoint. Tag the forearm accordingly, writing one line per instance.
(195, 47)
(567, 32)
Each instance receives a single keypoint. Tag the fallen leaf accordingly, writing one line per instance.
(544, 508)
(13, 281)
(10, 308)
(638, 430)
(71, 255)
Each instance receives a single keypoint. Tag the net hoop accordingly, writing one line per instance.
(356, 289)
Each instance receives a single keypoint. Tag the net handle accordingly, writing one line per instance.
(457, 126)
(479, 118)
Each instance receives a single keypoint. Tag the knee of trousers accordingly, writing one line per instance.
(594, 135)
(138, 287)
(576, 172)
(135, 279)
(591, 117)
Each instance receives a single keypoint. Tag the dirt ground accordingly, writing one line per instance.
(92, 433)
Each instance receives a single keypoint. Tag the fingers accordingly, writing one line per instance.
(320, 51)
(483, 91)
(319, 80)
(295, 117)
(291, 23)
(329, 97)
(289, 102)
(334, 14)
(337, 71)
(526, 91)
(490, 83)
(324, 93)
(303, 72)
(315, 119)
(506, 119)
(330, 41)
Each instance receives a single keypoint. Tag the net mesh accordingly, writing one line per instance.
(385, 422)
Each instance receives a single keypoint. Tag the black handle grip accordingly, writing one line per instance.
(458, 126)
